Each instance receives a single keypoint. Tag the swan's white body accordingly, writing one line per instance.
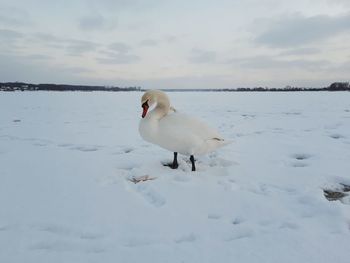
(175, 131)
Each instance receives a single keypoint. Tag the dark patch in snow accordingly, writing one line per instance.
(128, 150)
(338, 193)
(301, 156)
(237, 221)
(16, 120)
(337, 136)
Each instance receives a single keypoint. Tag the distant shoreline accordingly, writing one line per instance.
(21, 86)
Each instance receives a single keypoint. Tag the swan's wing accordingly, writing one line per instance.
(187, 135)
(184, 125)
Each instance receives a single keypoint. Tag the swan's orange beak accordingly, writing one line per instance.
(145, 109)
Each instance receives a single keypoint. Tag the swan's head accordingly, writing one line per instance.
(152, 97)
(147, 100)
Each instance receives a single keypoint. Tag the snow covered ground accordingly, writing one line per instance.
(66, 160)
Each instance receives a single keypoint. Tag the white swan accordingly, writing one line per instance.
(174, 131)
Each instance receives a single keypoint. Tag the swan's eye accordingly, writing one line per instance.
(145, 104)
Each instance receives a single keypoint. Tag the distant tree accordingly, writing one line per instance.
(339, 86)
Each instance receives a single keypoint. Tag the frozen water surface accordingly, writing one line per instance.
(69, 162)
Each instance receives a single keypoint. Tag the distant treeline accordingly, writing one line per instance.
(20, 86)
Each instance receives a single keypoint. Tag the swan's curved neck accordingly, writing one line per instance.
(163, 106)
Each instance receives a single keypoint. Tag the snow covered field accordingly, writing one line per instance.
(66, 160)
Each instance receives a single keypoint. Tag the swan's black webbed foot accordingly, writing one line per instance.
(193, 165)
(174, 164)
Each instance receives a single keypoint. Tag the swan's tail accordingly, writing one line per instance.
(220, 141)
(212, 144)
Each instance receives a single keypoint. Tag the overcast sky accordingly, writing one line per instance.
(176, 44)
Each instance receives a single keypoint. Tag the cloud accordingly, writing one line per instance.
(37, 57)
(119, 47)
(118, 53)
(95, 22)
(148, 43)
(6, 34)
(14, 17)
(10, 40)
(297, 30)
(344, 3)
(266, 62)
(47, 37)
(300, 51)
(18, 68)
(73, 47)
(118, 58)
(78, 47)
(91, 22)
(200, 56)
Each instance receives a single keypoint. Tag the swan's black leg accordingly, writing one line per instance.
(193, 165)
(173, 165)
